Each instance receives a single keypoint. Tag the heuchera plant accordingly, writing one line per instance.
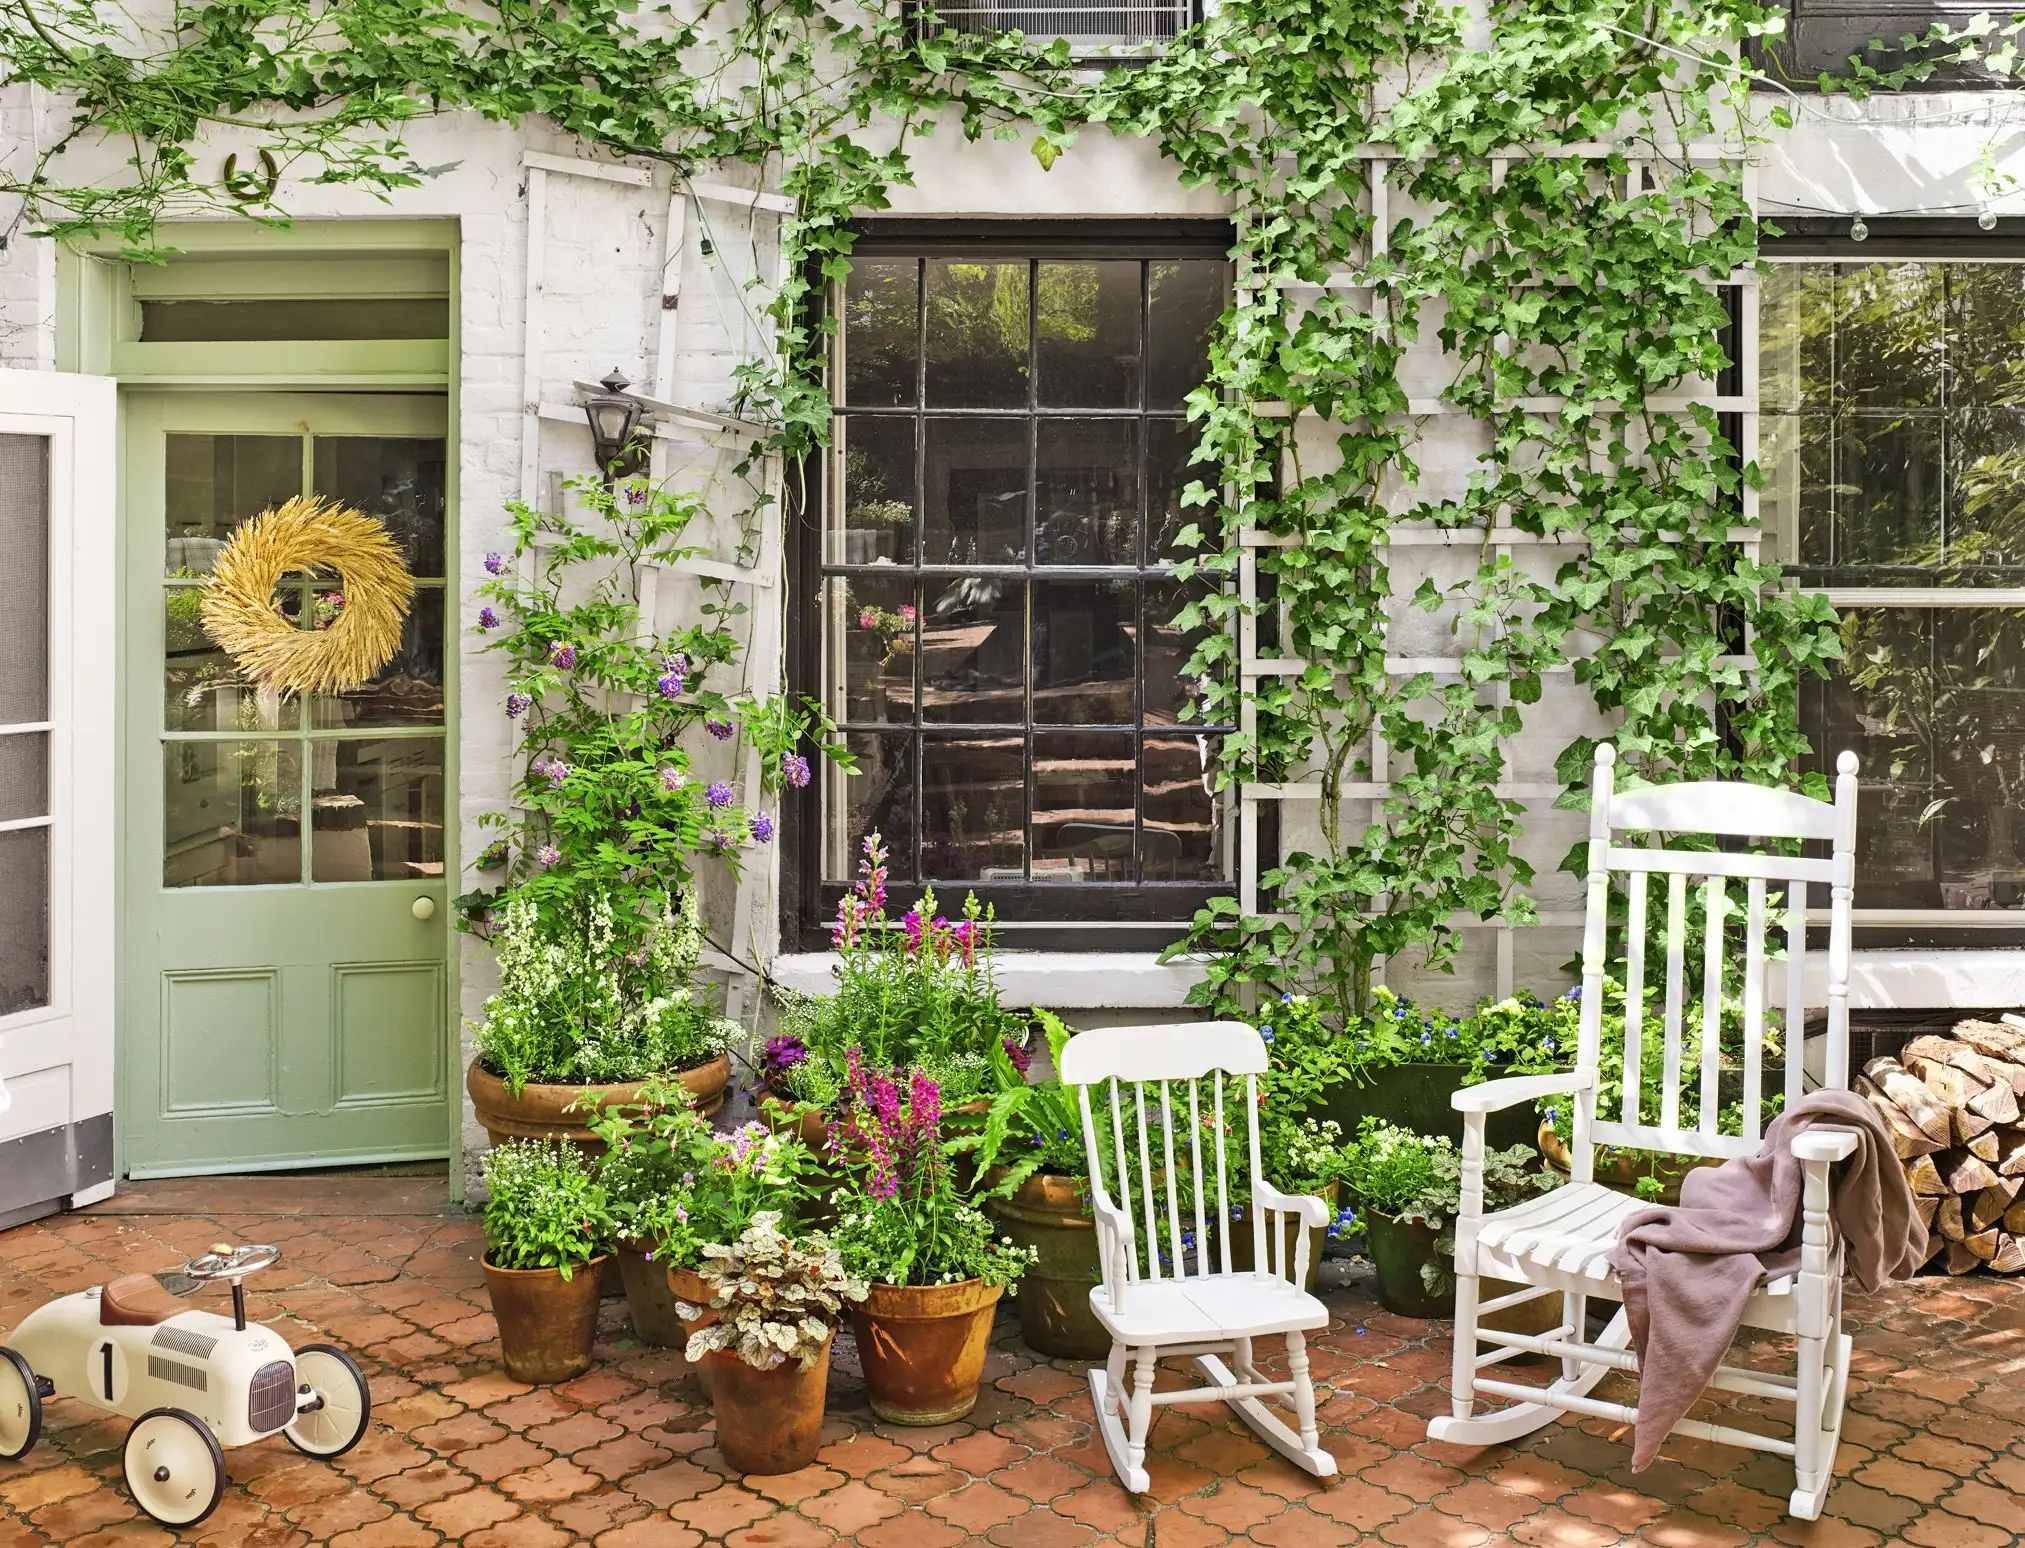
(777, 1299)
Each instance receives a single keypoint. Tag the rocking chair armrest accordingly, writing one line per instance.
(1313, 1211)
(1495, 1094)
(1112, 1217)
(1825, 1145)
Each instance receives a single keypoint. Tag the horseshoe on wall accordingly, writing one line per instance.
(249, 191)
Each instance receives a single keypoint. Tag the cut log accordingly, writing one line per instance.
(1925, 1177)
(1907, 1138)
(1985, 1147)
(1925, 1206)
(1948, 1218)
(2000, 1040)
(1960, 1260)
(1987, 1208)
(1983, 1243)
(1928, 1113)
(1964, 1173)
(1954, 1087)
(1996, 1102)
(2011, 1152)
(1991, 1072)
(2014, 1218)
(1967, 1123)
(2010, 1255)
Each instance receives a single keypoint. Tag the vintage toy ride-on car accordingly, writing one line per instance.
(193, 1382)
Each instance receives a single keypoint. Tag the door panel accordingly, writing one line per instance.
(295, 942)
(57, 790)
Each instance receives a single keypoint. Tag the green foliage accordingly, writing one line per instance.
(1034, 1126)
(546, 1210)
(777, 1299)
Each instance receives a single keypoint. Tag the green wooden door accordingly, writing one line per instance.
(284, 873)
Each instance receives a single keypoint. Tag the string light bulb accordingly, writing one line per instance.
(1987, 218)
(1857, 229)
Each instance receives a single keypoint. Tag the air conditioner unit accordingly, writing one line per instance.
(1091, 27)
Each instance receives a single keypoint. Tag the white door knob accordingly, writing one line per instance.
(423, 908)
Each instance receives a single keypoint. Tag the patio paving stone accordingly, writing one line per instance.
(625, 1456)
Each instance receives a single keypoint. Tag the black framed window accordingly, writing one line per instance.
(1892, 442)
(991, 615)
(1822, 36)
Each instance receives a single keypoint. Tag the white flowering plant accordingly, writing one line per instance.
(777, 1299)
(577, 1006)
(546, 1208)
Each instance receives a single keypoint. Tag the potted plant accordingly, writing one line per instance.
(1406, 1189)
(776, 1302)
(1407, 1061)
(934, 1268)
(546, 1225)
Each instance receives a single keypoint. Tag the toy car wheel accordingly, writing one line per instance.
(20, 1407)
(175, 1471)
(343, 1405)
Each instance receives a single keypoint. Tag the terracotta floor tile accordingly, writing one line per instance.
(467, 1512)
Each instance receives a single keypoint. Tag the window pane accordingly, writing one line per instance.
(231, 813)
(24, 578)
(203, 689)
(1888, 336)
(977, 334)
(1086, 653)
(217, 481)
(873, 646)
(1184, 301)
(378, 809)
(1986, 333)
(1182, 839)
(1986, 497)
(1796, 507)
(1086, 491)
(399, 481)
(24, 775)
(1169, 445)
(879, 798)
(973, 650)
(1085, 783)
(973, 808)
(408, 690)
(1169, 648)
(24, 920)
(881, 338)
(877, 500)
(1887, 491)
(1087, 339)
(1796, 337)
(974, 495)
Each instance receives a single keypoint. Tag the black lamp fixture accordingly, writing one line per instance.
(614, 415)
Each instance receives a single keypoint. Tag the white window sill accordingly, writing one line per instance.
(1058, 980)
(1925, 978)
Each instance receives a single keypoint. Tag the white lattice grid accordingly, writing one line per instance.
(1539, 790)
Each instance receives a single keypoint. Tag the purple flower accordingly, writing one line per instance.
(718, 793)
(673, 779)
(495, 564)
(718, 842)
(762, 828)
(669, 684)
(1021, 1055)
(487, 619)
(557, 771)
(782, 1054)
(721, 729)
(518, 704)
(794, 768)
(562, 656)
(548, 854)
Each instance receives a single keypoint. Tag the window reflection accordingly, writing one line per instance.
(232, 813)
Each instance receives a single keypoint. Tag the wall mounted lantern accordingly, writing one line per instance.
(615, 415)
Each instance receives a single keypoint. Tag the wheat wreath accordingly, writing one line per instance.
(304, 534)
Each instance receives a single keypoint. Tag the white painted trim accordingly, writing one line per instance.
(1925, 978)
(1059, 980)
(723, 193)
(604, 171)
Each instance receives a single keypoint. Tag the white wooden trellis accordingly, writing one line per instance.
(1502, 541)
(673, 422)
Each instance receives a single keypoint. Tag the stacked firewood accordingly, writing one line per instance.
(1953, 1106)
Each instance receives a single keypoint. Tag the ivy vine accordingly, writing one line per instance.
(1538, 205)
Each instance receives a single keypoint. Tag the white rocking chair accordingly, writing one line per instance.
(1561, 1241)
(1216, 1310)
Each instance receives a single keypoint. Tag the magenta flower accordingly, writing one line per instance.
(794, 768)
(562, 656)
(867, 619)
(721, 729)
(495, 564)
(906, 612)
(762, 828)
(1021, 1055)
(487, 619)
(717, 793)
(518, 704)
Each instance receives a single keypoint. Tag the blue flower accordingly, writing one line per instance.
(1547, 1043)
(1188, 1238)
(1553, 1115)
(1574, 994)
(1426, 1038)
(1265, 1034)
(762, 828)
(1061, 1134)
(1399, 1013)
(1335, 1230)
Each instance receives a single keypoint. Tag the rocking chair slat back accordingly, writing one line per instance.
(1772, 885)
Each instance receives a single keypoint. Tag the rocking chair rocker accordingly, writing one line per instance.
(1561, 1241)
(1151, 1311)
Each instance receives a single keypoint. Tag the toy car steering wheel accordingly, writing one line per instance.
(225, 1261)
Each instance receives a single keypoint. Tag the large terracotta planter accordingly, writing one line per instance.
(542, 1111)
(1241, 1258)
(685, 1284)
(650, 1299)
(923, 1348)
(546, 1322)
(768, 1421)
(1046, 1213)
(1621, 1172)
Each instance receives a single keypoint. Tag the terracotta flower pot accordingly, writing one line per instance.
(650, 1300)
(1241, 1239)
(768, 1421)
(1046, 1213)
(780, 1117)
(544, 1110)
(546, 1322)
(923, 1348)
(685, 1284)
(1621, 1172)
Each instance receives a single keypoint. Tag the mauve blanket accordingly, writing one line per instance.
(1689, 1269)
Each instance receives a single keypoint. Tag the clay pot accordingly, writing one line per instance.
(1046, 1213)
(1621, 1172)
(546, 1322)
(544, 1110)
(779, 1116)
(685, 1284)
(650, 1302)
(1241, 1239)
(768, 1421)
(923, 1348)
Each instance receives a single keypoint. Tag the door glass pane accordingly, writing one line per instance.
(24, 579)
(203, 689)
(217, 481)
(231, 813)
(1182, 839)
(24, 920)
(1184, 301)
(24, 775)
(378, 812)
(408, 690)
(973, 649)
(974, 491)
(396, 480)
(1086, 652)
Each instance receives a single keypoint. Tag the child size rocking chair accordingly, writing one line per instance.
(1561, 1241)
(1191, 1079)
